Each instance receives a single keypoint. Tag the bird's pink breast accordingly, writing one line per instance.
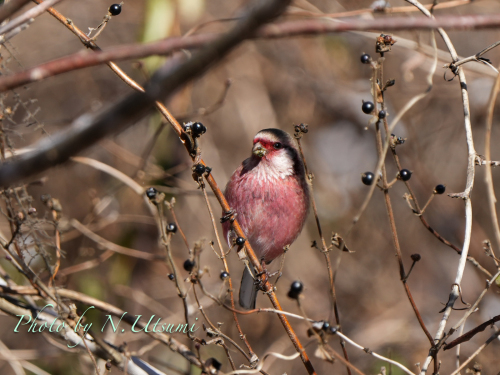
(271, 211)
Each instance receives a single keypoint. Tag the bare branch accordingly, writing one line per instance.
(490, 339)
(26, 16)
(368, 351)
(11, 7)
(112, 246)
(476, 57)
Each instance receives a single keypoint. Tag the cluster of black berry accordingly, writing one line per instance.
(368, 107)
(115, 9)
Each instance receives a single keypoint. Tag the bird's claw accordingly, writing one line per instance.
(260, 282)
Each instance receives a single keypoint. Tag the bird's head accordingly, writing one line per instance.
(279, 151)
(270, 143)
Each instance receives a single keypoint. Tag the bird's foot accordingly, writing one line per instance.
(260, 282)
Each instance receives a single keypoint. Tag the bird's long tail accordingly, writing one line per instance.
(248, 290)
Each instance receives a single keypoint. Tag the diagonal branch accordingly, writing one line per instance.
(470, 334)
(10, 8)
(27, 16)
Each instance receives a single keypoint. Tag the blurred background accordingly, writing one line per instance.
(262, 84)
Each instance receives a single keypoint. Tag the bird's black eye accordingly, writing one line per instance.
(278, 145)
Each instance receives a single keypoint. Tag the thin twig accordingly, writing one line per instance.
(475, 57)
(9, 8)
(11, 34)
(368, 351)
(492, 200)
(181, 232)
(324, 249)
(112, 246)
(56, 217)
(471, 333)
(341, 359)
(217, 331)
(466, 362)
(11, 359)
(392, 222)
(419, 212)
(26, 16)
(111, 171)
(472, 309)
(468, 188)
(253, 356)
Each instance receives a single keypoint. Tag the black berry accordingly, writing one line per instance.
(189, 265)
(295, 289)
(224, 275)
(151, 193)
(115, 9)
(365, 58)
(240, 241)
(333, 330)
(326, 325)
(382, 114)
(405, 174)
(171, 276)
(198, 129)
(199, 169)
(367, 178)
(367, 107)
(171, 228)
(439, 189)
(415, 257)
(108, 366)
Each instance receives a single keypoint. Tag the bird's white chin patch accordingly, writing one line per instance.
(277, 166)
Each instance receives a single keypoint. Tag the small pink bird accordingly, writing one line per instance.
(270, 195)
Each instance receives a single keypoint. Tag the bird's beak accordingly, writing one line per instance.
(259, 150)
